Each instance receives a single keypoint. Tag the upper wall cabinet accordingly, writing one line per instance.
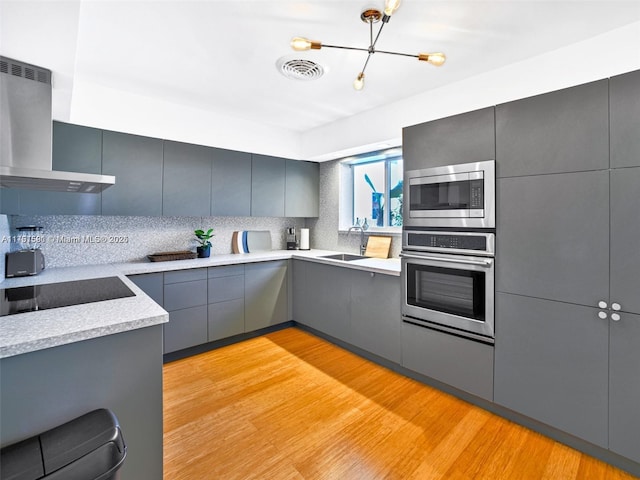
(562, 131)
(75, 149)
(267, 186)
(186, 180)
(302, 189)
(624, 102)
(136, 163)
(464, 138)
(231, 183)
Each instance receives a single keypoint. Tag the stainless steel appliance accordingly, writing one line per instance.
(291, 238)
(454, 196)
(26, 134)
(448, 282)
(29, 260)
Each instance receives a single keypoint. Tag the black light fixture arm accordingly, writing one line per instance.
(370, 16)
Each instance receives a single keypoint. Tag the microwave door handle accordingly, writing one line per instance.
(482, 263)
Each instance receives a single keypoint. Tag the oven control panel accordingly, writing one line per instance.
(459, 242)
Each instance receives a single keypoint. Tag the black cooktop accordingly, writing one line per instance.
(63, 294)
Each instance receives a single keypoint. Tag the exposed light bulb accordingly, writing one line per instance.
(358, 83)
(300, 44)
(391, 6)
(435, 59)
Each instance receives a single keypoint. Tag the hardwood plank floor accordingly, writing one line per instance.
(289, 405)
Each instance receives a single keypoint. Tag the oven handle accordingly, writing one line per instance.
(482, 263)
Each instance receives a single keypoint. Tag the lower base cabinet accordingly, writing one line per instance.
(375, 314)
(266, 297)
(462, 363)
(357, 307)
(186, 328)
(226, 301)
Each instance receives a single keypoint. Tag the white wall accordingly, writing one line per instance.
(599, 57)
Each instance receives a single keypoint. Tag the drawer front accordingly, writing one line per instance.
(186, 328)
(226, 271)
(189, 275)
(226, 288)
(151, 284)
(184, 295)
(226, 319)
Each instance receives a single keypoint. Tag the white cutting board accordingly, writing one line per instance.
(258, 241)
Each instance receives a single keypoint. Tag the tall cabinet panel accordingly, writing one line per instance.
(136, 163)
(464, 138)
(186, 180)
(625, 232)
(553, 237)
(551, 364)
(563, 131)
(625, 126)
(267, 186)
(231, 183)
(302, 189)
(624, 386)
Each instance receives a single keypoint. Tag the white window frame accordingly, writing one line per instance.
(346, 204)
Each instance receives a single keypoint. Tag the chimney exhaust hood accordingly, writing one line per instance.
(26, 134)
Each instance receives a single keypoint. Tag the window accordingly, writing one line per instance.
(373, 190)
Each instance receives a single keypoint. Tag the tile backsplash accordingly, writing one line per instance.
(85, 240)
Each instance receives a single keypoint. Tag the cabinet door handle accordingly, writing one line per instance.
(616, 306)
(615, 317)
(602, 315)
(602, 304)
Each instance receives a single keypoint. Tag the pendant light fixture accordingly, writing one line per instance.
(370, 15)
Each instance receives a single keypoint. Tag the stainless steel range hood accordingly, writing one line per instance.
(26, 133)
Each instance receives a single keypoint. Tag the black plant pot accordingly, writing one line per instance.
(204, 252)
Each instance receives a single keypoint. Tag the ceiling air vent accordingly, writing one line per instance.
(300, 69)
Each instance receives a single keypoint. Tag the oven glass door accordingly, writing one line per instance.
(450, 292)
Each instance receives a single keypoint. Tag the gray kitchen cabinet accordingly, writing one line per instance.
(226, 301)
(186, 180)
(185, 298)
(562, 131)
(266, 297)
(267, 186)
(551, 364)
(152, 284)
(322, 298)
(302, 189)
(462, 363)
(375, 314)
(553, 235)
(624, 386)
(136, 163)
(624, 104)
(625, 232)
(231, 183)
(75, 149)
(464, 138)
(186, 328)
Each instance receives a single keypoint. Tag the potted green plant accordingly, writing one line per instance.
(204, 250)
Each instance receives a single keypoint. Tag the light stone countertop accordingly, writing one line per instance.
(33, 331)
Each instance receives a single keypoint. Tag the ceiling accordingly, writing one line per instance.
(220, 56)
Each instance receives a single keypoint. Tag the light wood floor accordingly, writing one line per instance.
(291, 406)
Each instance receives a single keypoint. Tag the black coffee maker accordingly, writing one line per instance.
(291, 238)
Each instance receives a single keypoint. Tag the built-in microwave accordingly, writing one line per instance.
(454, 196)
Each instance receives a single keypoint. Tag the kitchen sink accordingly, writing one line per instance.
(345, 257)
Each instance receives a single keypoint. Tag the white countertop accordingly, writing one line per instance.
(32, 331)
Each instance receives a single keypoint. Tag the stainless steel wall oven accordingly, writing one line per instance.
(448, 282)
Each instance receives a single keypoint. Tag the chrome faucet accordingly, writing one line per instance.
(363, 246)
